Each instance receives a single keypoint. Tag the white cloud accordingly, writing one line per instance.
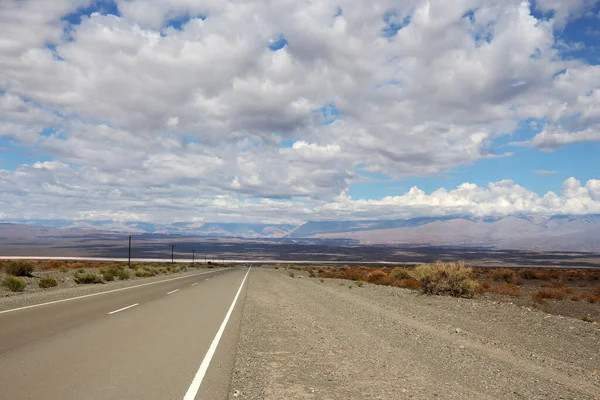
(149, 120)
(544, 172)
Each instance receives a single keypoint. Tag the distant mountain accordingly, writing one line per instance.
(561, 232)
(178, 228)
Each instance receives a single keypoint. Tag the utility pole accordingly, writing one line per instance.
(204, 257)
(129, 259)
(193, 256)
(172, 253)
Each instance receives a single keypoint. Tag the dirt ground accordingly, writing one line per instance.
(306, 339)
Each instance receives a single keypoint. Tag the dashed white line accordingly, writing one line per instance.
(194, 284)
(173, 291)
(100, 293)
(123, 309)
(195, 385)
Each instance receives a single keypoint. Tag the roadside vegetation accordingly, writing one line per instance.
(560, 291)
(24, 275)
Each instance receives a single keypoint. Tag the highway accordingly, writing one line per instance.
(173, 339)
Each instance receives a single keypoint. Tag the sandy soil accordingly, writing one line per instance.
(303, 339)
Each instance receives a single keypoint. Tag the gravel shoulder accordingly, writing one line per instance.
(16, 300)
(303, 339)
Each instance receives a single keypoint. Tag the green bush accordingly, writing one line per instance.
(18, 268)
(359, 283)
(87, 278)
(46, 283)
(401, 273)
(123, 274)
(107, 274)
(80, 271)
(63, 269)
(452, 279)
(14, 284)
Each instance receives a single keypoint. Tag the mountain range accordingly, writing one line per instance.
(560, 232)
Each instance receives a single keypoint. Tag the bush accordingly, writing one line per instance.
(63, 269)
(508, 289)
(452, 279)
(556, 294)
(411, 283)
(14, 284)
(504, 274)
(87, 278)
(359, 283)
(587, 319)
(291, 275)
(18, 268)
(46, 283)
(107, 274)
(528, 274)
(322, 280)
(80, 271)
(401, 273)
(123, 274)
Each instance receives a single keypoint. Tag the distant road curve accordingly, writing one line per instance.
(189, 260)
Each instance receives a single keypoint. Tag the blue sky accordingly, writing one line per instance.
(245, 113)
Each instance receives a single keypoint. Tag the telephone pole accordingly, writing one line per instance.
(172, 254)
(193, 256)
(129, 258)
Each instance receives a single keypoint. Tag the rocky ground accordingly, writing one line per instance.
(306, 339)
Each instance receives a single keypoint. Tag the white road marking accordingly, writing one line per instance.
(207, 279)
(194, 284)
(173, 291)
(99, 293)
(123, 309)
(195, 386)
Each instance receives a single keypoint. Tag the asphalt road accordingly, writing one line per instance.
(147, 342)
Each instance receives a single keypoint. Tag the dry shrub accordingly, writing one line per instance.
(452, 279)
(508, 289)
(504, 274)
(377, 276)
(597, 290)
(354, 274)
(410, 283)
(556, 294)
(586, 296)
(18, 268)
(401, 273)
(528, 274)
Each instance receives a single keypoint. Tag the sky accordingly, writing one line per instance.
(284, 111)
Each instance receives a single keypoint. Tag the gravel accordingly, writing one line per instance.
(35, 295)
(303, 339)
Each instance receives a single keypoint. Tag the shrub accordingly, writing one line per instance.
(14, 284)
(80, 271)
(452, 279)
(528, 274)
(45, 283)
(597, 290)
(291, 275)
(18, 268)
(123, 274)
(143, 274)
(556, 294)
(411, 283)
(504, 274)
(322, 280)
(107, 274)
(401, 273)
(359, 283)
(311, 274)
(587, 319)
(508, 289)
(63, 269)
(87, 278)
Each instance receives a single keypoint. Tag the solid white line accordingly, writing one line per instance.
(99, 293)
(123, 309)
(195, 386)
(173, 291)
(194, 284)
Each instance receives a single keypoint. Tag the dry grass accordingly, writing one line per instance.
(555, 294)
(505, 274)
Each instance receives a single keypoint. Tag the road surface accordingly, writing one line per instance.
(146, 342)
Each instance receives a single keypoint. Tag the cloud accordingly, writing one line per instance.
(201, 119)
(544, 172)
(554, 137)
